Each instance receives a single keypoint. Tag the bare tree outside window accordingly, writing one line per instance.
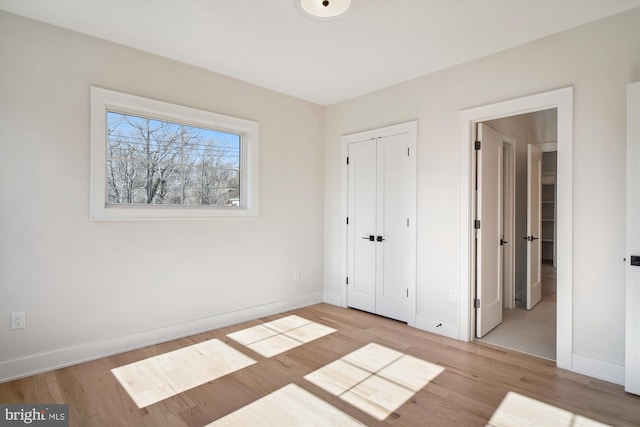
(153, 162)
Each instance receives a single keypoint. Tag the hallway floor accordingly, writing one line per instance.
(532, 332)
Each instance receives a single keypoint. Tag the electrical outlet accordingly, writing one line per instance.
(18, 320)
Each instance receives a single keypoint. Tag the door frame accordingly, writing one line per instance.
(411, 128)
(562, 99)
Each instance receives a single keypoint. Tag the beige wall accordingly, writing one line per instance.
(598, 60)
(86, 285)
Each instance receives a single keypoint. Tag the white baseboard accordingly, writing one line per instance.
(333, 299)
(60, 358)
(600, 369)
(437, 327)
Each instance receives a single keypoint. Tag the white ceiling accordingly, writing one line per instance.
(378, 43)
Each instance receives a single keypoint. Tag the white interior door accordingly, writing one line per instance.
(394, 257)
(489, 213)
(362, 208)
(381, 230)
(534, 205)
(632, 330)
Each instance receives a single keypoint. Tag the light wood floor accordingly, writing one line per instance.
(475, 379)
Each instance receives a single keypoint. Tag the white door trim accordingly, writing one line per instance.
(562, 99)
(412, 129)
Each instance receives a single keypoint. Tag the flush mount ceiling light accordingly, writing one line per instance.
(323, 9)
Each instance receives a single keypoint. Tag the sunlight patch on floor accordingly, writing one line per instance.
(375, 379)
(289, 406)
(278, 336)
(154, 379)
(518, 410)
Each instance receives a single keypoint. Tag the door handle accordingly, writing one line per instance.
(534, 238)
(635, 260)
(503, 242)
(530, 238)
(370, 238)
(380, 238)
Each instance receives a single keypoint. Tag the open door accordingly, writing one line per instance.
(534, 206)
(632, 321)
(488, 230)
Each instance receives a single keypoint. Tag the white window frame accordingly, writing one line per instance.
(103, 100)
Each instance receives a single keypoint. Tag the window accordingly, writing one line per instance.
(154, 160)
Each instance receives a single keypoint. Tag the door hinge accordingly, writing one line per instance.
(408, 148)
(347, 160)
(476, 303)
(347, 220)
(476, 224)
(407, 292)
(347, 280)
(477, 145)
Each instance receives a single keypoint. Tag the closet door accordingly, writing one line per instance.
(394, 258)
(361, 253)
(381, 233)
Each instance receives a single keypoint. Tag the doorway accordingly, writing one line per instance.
(562, 99)
(528, 312)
